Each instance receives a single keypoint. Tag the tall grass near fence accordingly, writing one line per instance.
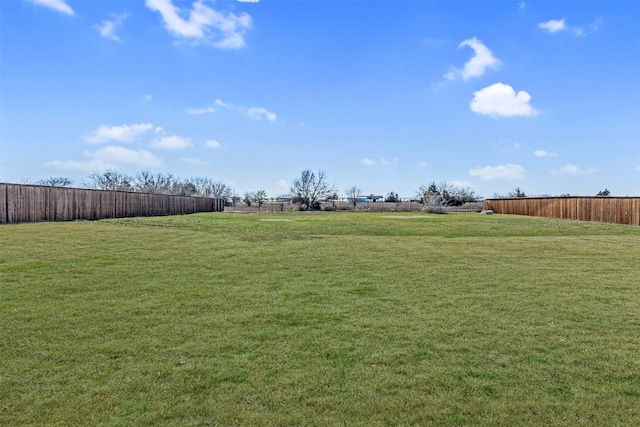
(616, 210)
(34, 203)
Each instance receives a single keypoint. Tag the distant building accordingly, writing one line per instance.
(367, 199)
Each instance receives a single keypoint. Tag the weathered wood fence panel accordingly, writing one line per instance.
(33, 203)
(617, 210)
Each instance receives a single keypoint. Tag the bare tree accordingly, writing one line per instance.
(209, 188)
(55, 181)
(110, 179)
(309, 189)
(435, 197)
(431, 198)
(146, 182)
(259, 198)
(184, 188)
(221, 190)
(352, 195)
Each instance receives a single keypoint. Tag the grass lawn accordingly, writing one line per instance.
(320, 319)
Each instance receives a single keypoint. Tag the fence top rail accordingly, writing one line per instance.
(98, 190)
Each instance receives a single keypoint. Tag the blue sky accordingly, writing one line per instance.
(384, 95)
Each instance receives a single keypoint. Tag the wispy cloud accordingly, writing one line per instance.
(201, 22)
(123, 156)
(392, 162)
(571, 169)
(212, 143)
(57, 5)
(560, 25)
(501, 100)
(544, 153)
(368, 162)
(109, 157)
(123, 133)
(199, 111)
(477, 65)
(147, 98)
(108, 27)
(506, 172)
(259, 113)
(79, 165)
(220, 103)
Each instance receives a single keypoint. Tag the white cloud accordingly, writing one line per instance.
(385, 162)
(477, 65)
(172, 142)
(490, 173)
(553, 26)
(368, 162)
(543, 153)
(500, 100)
(203, 23)
(423, 164)
(570, 169)
(147, 98)
(283, 183)
(120, 155)
(109, 157)
(249, 1)
(57, 5)
(212, 143)
(124, 133)
(107, 28)
(259, 113)
(198, 111)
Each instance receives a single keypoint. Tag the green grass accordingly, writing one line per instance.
(320, 319)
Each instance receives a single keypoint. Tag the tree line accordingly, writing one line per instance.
(147, 182)
(308, 191)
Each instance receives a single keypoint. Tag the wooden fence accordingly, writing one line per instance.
(618, 210)
(32, 203)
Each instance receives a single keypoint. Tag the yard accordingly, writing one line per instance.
(320, 319)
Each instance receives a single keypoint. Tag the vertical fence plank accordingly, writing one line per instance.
(3, 204)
